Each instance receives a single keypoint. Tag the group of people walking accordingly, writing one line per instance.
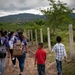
(8, 39)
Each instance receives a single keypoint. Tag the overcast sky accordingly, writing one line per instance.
(8, 7)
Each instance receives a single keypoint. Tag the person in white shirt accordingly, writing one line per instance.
(59, 48)
(11, 39)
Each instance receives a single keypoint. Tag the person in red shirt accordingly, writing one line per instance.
(40, 58)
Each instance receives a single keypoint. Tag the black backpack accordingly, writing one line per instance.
(2, 49)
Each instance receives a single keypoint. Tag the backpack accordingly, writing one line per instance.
(2, 49)
(18, 49)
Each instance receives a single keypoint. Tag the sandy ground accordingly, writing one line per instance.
(30, 68)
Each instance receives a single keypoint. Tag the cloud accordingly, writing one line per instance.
(16, 6)
(10, 5)
(70, 3)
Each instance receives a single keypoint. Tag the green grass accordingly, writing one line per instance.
(68, 68)
(51, 57)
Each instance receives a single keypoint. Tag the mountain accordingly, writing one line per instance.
(25, 17)
(72, 15)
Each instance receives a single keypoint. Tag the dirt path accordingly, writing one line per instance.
(30, 69)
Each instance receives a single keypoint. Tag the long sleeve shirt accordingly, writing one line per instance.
(59, 48)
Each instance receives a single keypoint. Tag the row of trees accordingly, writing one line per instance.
(57, 14)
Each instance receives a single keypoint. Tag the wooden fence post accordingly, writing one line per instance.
(31, 37)
(36, 36)
(49, 41)
(71, 41)
(41, 35)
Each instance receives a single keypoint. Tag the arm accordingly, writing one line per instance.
(26, 48)
(26, 45)
(54, 49)
(7, 48)
(35, 61)
(45, 55)
(65, 59)
(45, 58)
(65, 55)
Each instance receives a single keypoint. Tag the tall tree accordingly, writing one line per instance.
(57, 13)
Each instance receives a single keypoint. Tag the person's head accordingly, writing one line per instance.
(2, 33)
(20, 35)
(10, 34)
(40, 45)
(58, 39)
(5, 33)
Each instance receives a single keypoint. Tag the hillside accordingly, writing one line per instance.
(72, 15)
(25, 17)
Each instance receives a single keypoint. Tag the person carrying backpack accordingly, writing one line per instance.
(4, 45)
(24, 47)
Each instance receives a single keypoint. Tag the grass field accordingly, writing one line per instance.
(68, 68)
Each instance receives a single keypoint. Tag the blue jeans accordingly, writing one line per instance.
(59, 67)
(2, 65)
(21, 60)
(41, 69)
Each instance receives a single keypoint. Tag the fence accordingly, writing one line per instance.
(30, 37)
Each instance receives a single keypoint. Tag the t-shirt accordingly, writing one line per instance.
(40, 56)
(6, 42)
(12, 41)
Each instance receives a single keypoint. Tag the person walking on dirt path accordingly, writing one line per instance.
(21, 58)
(40, 58)
(11, 39)
(59, 48)
(4, 46)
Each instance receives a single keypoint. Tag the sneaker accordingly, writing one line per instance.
(13, 58)
(20, 74)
